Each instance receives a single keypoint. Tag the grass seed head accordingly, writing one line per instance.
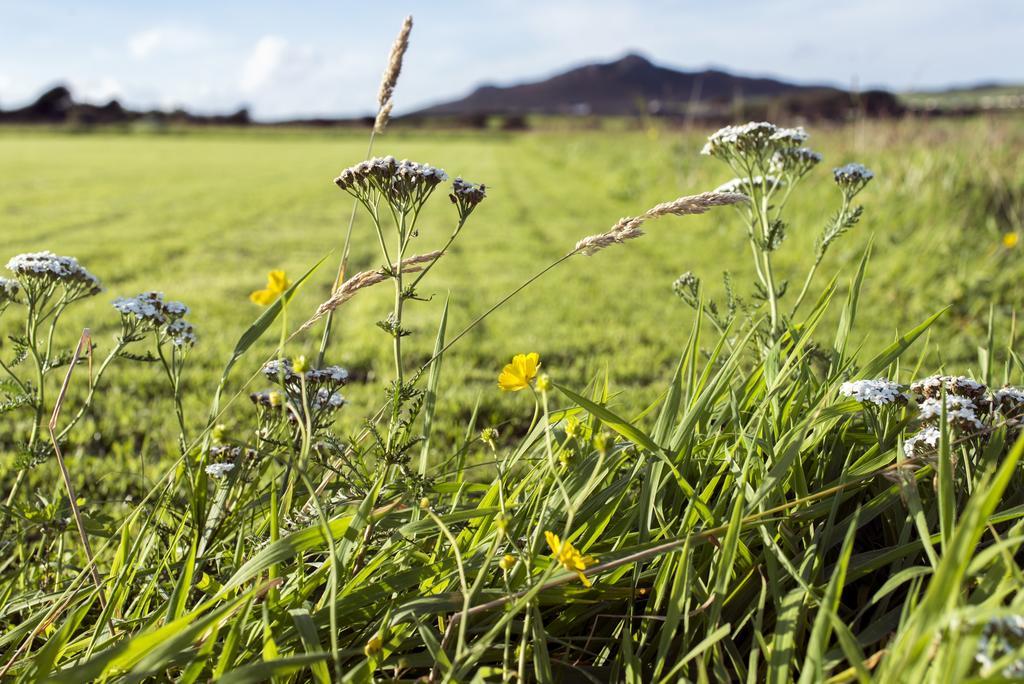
(394, 67)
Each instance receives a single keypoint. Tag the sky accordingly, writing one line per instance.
(315, 58)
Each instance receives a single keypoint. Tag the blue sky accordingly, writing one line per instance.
(325, 58)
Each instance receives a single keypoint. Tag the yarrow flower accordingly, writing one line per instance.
(928, 437)
(149, 311)
(566, 555)
(958, 385)
(1009, 401)
(754, 138)
(1002, 637)
(277, 284)
(182, 333)
(219, 470)
(795, 160)
(747, 185)
(852, 178)
(465, 196)
(520, 373)
(314, 391)
(9, 290)
(960, 411)
(403, 184)
(879, 392)
(37, 270)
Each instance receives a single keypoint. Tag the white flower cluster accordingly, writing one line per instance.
(798, 160)
(790, 136)
(149, 311)
(1002, 637)
(748, 185)
(49, 267)
(326, 399)
(182, 333)
(466, 195)
(399, 181)
(958, 385)
(8, 290)
(755, 139)
(852, 178)
(929, 437)
(219, 470)
(879, 392)
(959, 410)
(282, 370)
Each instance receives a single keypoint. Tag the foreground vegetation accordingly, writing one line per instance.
(202, 216)
(789, 505)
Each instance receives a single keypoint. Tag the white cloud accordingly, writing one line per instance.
(276, 62)
(147, 43)
(97, 90)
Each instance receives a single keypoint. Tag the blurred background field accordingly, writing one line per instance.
(202, 215)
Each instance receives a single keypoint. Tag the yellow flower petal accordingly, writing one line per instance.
(553, 542)
(262, 297)
(518, 374)
(277, 283)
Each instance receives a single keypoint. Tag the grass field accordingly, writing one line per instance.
(786, 496)
(203, 215)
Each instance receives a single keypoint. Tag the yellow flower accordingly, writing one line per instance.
(1010, 240)
(518, 374)
(277, 283)
(568, 557)
(507, 562)
(373, 646)
(543, 382)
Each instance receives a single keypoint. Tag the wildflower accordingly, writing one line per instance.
(959, 385)
(544, 383)
(572, 426)
(299, 364)
(568, 557)
(752, 139)
(277, 283)
(373, 646)
(219, 470)
(926, 437)
(795, 160)
(748, 185)
(959, 410)
(488, 436)
(878, 392)
(404, 184)
(8, 290)
(1002, 637)
(324, 399)
(790, 136)
(465, 196)
(1009, 401)
(520, 373)
(37, 271)
(507, 562)
(146, 308)
(852, 178)
(182, 333)
(1010, 240)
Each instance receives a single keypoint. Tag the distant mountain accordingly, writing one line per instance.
(58, 106)
(626, 86)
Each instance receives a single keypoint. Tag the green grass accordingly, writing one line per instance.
(735, 515)
(202, 216)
